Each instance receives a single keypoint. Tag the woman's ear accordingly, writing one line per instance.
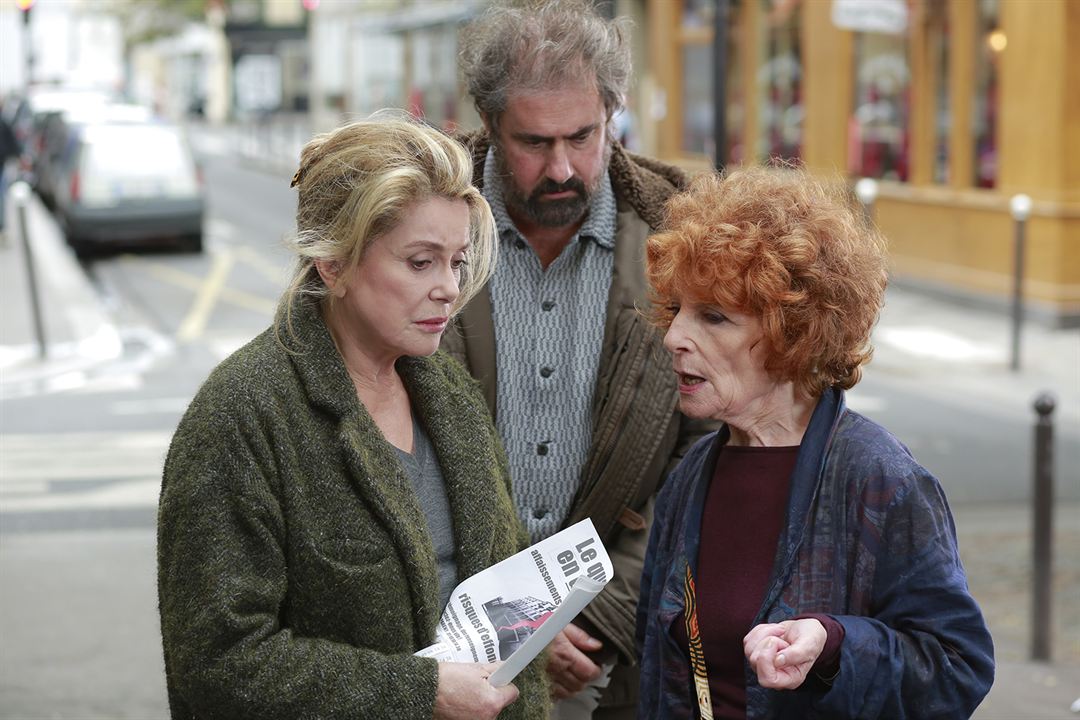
(330, 272)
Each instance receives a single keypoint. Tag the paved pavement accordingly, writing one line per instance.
(958, 352)
(77, 330)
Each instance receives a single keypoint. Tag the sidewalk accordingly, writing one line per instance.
(995, 546)
(963, 354)
(272, 146)
(78, 331)
(959, 353)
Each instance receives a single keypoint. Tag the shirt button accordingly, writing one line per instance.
(546, 372)
(547, 305)
(539, 514)
(542, 449)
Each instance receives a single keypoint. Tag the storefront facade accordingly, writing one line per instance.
(954, 106)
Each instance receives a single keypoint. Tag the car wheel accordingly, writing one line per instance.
(194, 243)
(82, 249)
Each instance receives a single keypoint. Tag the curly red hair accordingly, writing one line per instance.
(786, 247)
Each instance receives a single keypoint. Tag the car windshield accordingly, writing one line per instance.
(135, 151)
(134, 162)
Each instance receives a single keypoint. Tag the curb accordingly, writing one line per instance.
(79, 332)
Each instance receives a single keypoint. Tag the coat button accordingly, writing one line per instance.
(546, 372)
(547, 305)
(539, 514)
(542, 449)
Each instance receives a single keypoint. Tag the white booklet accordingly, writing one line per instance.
(512, 610)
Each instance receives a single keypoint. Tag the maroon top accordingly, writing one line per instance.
(740, 527)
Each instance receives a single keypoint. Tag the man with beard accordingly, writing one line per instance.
(581, 389)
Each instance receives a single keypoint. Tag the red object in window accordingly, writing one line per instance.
(416, 103)
(74, 187)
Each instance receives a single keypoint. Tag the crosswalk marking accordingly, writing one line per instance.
(150, 406)
(93, 470)
(206, 297)
(198, 283)
(124, 494)
(937, 344)
(865, 403)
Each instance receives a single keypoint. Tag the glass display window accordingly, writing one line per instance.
(433, 90)
(991, 41)
(779, 82)
(878, 136)
(378, 73)
(938, 37)
(695, 38)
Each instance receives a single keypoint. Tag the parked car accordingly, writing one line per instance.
(34, 108)
(59, 129)
(118, 183)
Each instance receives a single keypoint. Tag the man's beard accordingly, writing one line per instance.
(556, 213)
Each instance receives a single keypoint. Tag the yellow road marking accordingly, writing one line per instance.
(189, 281)
(271, 271)
(206, 297)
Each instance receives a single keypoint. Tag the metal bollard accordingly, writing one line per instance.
(20, 192)
(866, 189)
(1020, 207)
(1042, 530)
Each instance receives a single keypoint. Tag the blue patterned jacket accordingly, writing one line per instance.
(869, 539)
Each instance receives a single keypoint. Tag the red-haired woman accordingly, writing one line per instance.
(802, 563)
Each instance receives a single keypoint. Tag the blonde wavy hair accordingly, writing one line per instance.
(786, 247)
(357, 182)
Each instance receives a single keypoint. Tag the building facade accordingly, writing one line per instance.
(954, 106)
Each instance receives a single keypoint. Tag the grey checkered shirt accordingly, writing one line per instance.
(549, 328)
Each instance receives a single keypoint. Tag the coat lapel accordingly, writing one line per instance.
(805, 484)
(477, 328)
(460, 432)
(628, 285)
(373, 467)
(380, 480)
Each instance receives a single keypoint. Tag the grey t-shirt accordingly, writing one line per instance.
(422, 469)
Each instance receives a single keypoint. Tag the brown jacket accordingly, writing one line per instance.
(638, 434)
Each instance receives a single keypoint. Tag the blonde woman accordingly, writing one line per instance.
(335, 478)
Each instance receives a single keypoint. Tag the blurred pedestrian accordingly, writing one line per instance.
(574, 376)
(802, 563)
(333, 480)
(9, 150)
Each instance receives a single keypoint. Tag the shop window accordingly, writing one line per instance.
(878, 135)
(779, 82)
(333, 45)
(697, 121)
(378, 73)
(938, 27)
(696, 55)
(433, 90)
(992, 41)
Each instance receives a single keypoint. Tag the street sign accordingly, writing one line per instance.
(880, 16)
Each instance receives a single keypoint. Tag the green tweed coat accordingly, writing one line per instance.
(296, 574)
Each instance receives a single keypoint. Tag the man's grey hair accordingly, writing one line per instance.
(541, 45)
